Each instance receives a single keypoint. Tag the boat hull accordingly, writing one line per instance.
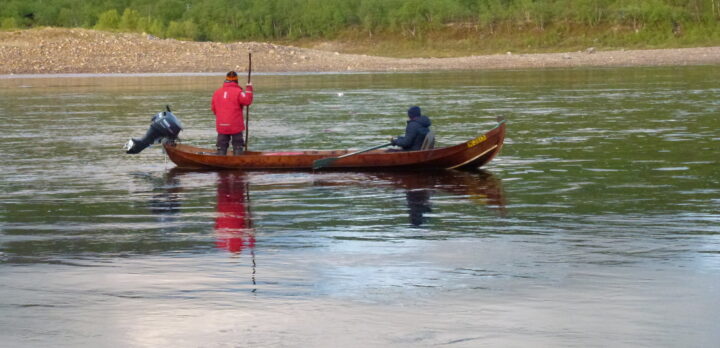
(470, 154)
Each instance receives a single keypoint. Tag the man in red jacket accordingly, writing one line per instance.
(227, 105)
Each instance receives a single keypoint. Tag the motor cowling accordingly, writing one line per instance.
(163, 125)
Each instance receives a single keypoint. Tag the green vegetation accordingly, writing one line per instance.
(397, 25)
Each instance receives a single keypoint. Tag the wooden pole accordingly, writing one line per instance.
(247, 108)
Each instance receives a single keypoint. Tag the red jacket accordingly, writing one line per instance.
(227, 105)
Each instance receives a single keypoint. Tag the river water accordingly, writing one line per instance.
(598, 224)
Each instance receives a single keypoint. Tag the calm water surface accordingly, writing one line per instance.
(598, 225)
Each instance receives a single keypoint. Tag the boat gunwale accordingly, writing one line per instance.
(204, 158)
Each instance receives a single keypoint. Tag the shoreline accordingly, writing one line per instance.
(190, 74)
(8, 77)
(58, 51)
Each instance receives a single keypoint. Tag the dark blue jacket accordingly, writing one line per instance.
(415, 132)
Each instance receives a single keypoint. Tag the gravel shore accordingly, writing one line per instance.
(58, 50)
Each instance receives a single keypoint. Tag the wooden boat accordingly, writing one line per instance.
(471, 154)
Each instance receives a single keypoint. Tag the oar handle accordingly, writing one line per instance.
(365, 150)
(324, 162)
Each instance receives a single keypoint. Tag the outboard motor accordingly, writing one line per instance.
(164, 126)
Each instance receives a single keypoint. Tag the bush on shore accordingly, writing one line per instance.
(544, 23)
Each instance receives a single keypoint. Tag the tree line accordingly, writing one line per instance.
(231, 20)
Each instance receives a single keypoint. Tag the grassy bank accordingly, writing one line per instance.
(397, 28)
(471, 40)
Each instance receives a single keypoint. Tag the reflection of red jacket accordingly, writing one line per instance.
(227, 105)
(232, 222)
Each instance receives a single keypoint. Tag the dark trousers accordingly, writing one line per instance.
(224, 140)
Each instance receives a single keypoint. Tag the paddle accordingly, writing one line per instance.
(247, 108)
(326, 162)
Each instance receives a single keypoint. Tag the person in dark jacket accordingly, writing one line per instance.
(418, 126)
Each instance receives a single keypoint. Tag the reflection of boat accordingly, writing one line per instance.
(468, 155)
(480, 186)
(233, 225)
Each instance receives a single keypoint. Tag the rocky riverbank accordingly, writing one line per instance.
(58, 50)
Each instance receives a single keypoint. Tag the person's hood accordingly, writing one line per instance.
(422, 120)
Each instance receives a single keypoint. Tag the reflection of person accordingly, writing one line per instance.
(418, 126)
(227, 105)
(232, 223)
(419, 203)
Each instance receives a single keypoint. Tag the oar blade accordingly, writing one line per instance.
(324, 162)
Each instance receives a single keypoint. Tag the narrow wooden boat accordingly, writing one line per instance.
(471, 154)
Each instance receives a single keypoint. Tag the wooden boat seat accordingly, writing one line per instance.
(429, 142)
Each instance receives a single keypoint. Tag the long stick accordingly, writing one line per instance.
(325, 162)
(247, 108)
